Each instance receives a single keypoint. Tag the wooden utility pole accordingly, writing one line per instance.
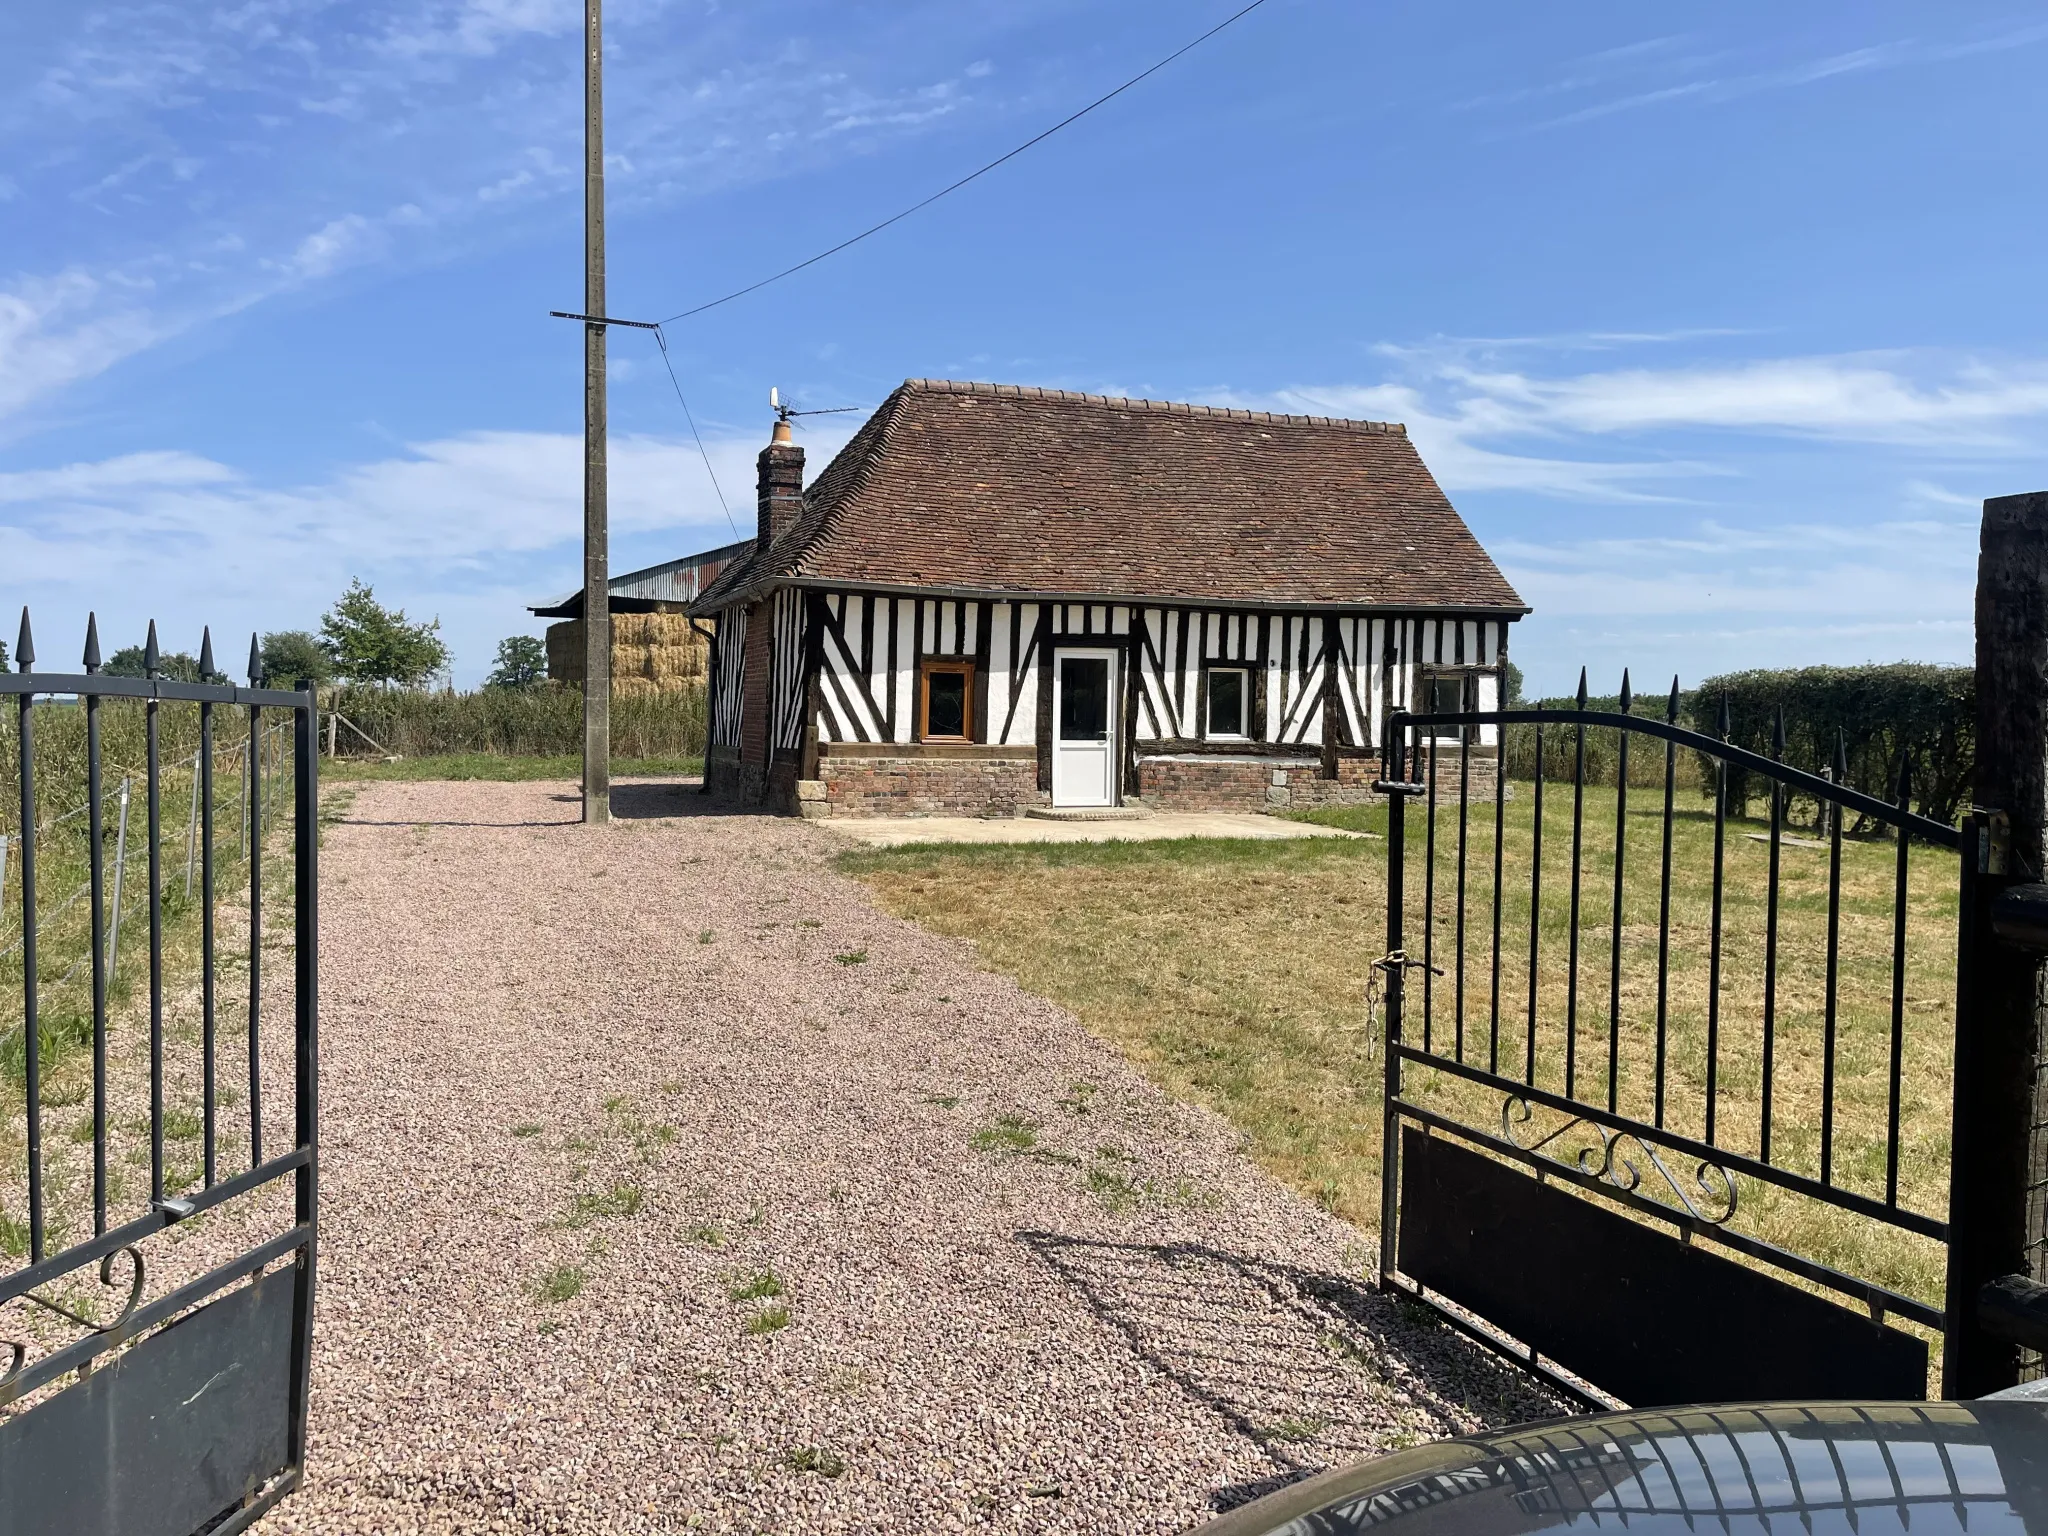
(1998, 1305)
(597, 606)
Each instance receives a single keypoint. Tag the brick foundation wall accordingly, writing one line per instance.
(1281, 783)
(1352, 786)
(918, 785)
(1214, 784)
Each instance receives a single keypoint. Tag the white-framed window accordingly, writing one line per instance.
(1445, 691)
(1227, 702)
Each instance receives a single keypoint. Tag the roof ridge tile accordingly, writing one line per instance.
(1137, 403)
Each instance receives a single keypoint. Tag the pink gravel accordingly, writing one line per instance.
(679, 1053)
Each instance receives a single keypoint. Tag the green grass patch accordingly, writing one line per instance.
(1009, 1133)
(1350, 818)
(770, 1319)
(562, 1283)
(758, 1286)
(618, 1202)
(816, 1460)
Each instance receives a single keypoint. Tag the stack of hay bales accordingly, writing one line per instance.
(652, 653)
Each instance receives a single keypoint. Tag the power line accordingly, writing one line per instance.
(662, 341)
(972, 175)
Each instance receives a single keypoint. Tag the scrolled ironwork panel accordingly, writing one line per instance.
(1710, 1195)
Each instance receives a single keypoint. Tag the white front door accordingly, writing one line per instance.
(1084, 719)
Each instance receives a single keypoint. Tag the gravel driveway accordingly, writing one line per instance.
(668, 1185)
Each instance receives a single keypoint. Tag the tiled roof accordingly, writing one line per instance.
(1007, 488)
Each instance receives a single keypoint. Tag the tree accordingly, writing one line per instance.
(292, 656)
(1511, 679)
(175, 665)
(522, 663)
(374, 644)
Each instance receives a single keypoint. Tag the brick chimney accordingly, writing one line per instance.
(779, 495)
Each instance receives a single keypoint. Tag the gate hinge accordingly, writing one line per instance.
(1994, 842)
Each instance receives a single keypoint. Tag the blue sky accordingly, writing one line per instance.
(1717, 322)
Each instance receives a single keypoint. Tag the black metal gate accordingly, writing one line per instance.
(158, 1134)
(1669, 1119)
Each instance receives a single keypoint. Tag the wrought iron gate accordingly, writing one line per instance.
(159, 1176)
(1674, 1121)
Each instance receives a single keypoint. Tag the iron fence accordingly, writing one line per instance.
(194, 1262)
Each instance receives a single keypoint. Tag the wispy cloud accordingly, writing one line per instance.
(1672, 546)
(1477, 410)
(1706, 596)
(1882, 56)
(279, 143)
(1664, 70)
(69, 326)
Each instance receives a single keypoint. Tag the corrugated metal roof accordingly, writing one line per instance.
(673, 581)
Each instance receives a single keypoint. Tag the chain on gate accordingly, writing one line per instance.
(1375, 991)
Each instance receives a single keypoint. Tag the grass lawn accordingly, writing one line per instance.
(490, 765)
(1235, 974)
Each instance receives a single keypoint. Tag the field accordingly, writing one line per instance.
(1236, 975)
(495, 766)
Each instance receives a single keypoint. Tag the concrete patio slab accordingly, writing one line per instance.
(896, 831)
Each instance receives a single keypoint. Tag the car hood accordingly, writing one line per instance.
(1930, 1468)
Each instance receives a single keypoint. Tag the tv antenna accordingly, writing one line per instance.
(786, 413)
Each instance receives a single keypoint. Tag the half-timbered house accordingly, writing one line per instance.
(998, 597)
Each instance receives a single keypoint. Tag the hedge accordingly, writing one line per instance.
(1883, 715)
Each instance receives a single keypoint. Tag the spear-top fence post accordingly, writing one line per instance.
(1998, 1182)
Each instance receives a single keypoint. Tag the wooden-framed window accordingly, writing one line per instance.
(1227, 703)
(945, 701)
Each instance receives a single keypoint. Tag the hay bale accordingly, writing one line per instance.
(652, 653)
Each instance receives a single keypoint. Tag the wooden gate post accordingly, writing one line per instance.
(1996, 1199)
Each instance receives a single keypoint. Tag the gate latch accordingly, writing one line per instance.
(1394, 960)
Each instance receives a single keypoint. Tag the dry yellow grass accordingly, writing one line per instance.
(1235, 974)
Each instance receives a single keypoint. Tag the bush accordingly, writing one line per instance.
(542, 721)
(293, 656)
(1882, 715)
